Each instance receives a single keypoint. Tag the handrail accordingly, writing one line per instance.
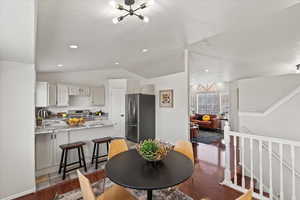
(231, 136)
(275, 155)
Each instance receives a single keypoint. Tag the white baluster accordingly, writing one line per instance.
(281, 171)
(271, 169)
(235, 160)
(260, 170)
(251, 160)
(227, 173)
(293, 173)
(243, 161)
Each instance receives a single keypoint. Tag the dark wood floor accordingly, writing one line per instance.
(203, 185)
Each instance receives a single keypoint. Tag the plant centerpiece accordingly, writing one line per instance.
(153, 150)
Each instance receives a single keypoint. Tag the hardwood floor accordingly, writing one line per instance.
(203, 185)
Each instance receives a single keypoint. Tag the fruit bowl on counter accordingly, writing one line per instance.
(73, 122)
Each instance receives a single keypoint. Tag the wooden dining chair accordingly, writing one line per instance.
(113, 193)
(246, 196)
(117, 146)
(186, 148)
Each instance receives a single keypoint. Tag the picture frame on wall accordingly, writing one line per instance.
(166, 98)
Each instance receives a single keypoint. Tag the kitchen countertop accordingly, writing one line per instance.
(62, 128)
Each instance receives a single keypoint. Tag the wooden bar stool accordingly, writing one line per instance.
(64, 158)
(96, 156)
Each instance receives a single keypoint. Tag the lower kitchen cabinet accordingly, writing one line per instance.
(48, 153)
(43, 151)
(47, 149)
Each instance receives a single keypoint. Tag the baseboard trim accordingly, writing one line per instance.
(14, 196)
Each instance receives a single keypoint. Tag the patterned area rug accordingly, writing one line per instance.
(98, 187)
(208, 137)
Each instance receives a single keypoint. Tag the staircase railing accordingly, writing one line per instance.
(236, 149)
(274, 154)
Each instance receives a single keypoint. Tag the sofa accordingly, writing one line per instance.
(214, 123)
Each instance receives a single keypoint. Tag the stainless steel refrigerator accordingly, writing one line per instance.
(140, 117)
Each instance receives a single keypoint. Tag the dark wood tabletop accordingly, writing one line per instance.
(130, 170)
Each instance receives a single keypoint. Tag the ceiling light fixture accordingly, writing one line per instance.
(60, 65)
(73, 46)
(130, 11)
(145, 50)
(298, 68)
(117, 63)
(206, 70)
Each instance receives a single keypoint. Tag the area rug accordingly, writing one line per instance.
(207, 137)
(98, 188)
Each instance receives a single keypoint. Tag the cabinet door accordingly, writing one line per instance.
(74, 90)
(59, 139)
(42, 94)
(43, 151)
(52, 94)
(62, 95)
(98, 96)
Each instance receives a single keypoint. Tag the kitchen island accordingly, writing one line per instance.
(48, 139)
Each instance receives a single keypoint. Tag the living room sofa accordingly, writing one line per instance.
(213, 123)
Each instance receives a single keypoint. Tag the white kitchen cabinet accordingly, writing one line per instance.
(98, 96)
(79, 91)
(43, 151)
(74, 90)
(62, 95)
(45, 94)
(58, 139)
(47, 150)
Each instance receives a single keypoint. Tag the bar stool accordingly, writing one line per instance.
(96, 156)
(64, 158)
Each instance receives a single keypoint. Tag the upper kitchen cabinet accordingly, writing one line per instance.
(45, 94)
(79, 91)
(62, 95)
(98, 96)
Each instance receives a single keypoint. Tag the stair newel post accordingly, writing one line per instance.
(227, 173)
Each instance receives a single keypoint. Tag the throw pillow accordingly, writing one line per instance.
(206, 118)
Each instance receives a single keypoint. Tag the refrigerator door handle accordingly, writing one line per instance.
(132, 125)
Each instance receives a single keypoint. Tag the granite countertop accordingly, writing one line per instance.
(61, 128)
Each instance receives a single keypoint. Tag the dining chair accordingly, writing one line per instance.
(186, 148)
(117, 146)
(246, 196)
(113, 193)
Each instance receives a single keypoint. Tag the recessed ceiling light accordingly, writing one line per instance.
(60, 65)
(117, 63)
(145, 50)
(73, 46)
(206, 70)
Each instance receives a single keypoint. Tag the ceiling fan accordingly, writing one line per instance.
(130, 11)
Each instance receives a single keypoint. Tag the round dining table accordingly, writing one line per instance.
(130, 170)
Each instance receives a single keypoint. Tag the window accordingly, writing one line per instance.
(211, 103)
(208, 103)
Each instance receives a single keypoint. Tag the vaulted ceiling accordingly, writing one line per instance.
(270, 46)
(215, 29)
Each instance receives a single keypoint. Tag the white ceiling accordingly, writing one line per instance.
(269, 47)
(17, 31)
(174, 25)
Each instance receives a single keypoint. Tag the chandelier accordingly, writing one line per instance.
(130, 11)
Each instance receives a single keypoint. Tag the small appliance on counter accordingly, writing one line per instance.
(43, 113)
(140, 117)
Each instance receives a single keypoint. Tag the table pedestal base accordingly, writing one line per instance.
(149, 194)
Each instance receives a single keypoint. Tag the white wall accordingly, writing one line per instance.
(17, 83)
(172, 124)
